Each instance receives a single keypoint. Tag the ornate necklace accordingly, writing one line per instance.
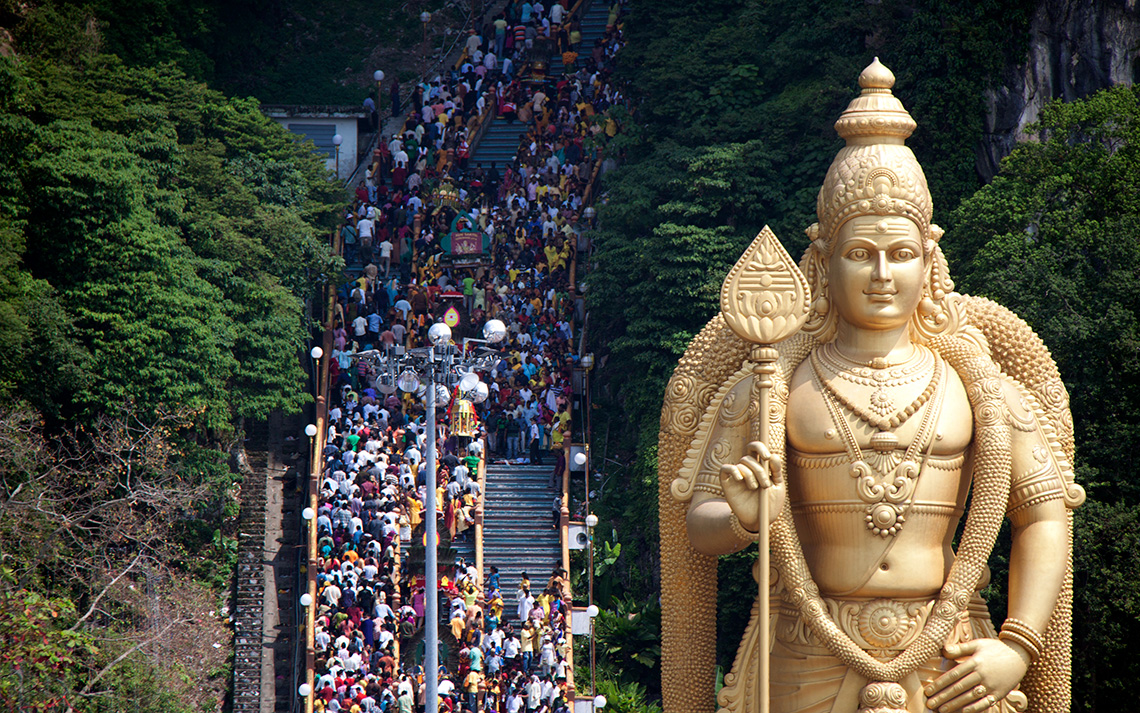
(877, 373)
(886, 480)
(884, 416)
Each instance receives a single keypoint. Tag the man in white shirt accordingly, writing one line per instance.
(473, 42)
(382, 611)
(445, 687)
(386, 256)
(365, 228)
(533, 694)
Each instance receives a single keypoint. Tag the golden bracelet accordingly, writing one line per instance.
(740, 531)
(1024, 635)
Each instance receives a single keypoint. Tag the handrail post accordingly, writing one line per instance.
(479, 519)
(564, 530)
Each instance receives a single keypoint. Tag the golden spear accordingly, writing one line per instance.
(765, 299)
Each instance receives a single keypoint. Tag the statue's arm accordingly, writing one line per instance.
(709, 522)
(1040, 487)
(721, 440)
(1037, 511)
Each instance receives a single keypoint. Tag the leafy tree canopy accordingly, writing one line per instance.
(174, 233)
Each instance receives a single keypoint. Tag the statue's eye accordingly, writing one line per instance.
(904, 254)
(858, 254)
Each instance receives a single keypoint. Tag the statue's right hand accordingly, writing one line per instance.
(759, 470)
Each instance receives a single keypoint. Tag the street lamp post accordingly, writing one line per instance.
(592, 609)
(436, 367)
(378, 77)
(337, 141)
(425, 18)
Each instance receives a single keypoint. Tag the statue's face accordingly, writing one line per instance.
(876, 272)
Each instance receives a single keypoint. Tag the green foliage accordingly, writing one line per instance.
(736, 591)
(1054, 239)
(179, 231)
(158, 245)
(36, 653)
(283, 51)
(628, 643)
(1106, 606)
(626, 697)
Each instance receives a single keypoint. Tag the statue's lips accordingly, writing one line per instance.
(880, 296)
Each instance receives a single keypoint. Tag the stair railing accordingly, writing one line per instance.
(479, 519)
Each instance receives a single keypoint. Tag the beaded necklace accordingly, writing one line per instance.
(883, 419)
(885, 481)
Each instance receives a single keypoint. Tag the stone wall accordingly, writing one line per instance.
(1076, 48)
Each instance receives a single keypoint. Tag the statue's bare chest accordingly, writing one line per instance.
(816, 418)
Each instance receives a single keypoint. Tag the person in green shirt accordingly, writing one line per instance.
(469, 293)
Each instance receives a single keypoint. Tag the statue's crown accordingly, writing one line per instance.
(875, 173)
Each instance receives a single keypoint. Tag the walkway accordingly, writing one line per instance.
(518, 528)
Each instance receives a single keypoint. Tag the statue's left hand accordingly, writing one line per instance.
(987, 670)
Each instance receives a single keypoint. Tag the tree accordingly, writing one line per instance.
(1054, 238)
(90, 580)
(180, 232)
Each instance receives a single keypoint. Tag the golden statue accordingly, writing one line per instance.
(862, 402)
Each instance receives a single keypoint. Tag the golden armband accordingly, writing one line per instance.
(1024, 635)
(1038, 486)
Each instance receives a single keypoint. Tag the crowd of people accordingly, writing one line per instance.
(420, 189)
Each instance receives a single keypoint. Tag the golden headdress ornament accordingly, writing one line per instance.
(875, 173)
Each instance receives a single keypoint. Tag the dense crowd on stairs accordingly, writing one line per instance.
(506, 650)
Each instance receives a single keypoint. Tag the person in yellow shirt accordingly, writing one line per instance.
(526, 639)
(415, 511)
(471, 688)
(457, 625)
(496, 605)
(543, 601)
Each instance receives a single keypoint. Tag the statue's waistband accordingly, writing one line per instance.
(879, 625)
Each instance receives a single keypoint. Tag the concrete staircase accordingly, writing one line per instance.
(499, 144)
(249, 602)
(593, 28)
(501, 141)
(518, 532)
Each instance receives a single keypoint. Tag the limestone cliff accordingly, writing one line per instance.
(1076, 47)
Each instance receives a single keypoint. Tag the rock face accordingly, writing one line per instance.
(1076, 47)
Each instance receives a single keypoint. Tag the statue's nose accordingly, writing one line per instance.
(882, 271)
